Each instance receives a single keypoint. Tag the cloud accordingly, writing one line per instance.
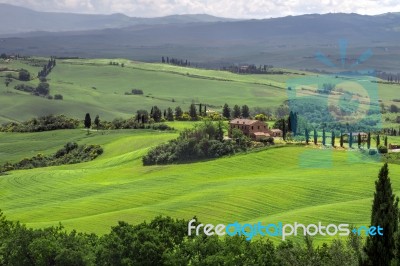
(225, 8)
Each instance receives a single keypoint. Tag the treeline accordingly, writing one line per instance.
(71, 153)
(175, 61)
(43, 123)
(47, 68)
(162, 241)
(201, 142)
(251, 69)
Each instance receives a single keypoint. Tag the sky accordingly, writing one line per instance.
(223, 8)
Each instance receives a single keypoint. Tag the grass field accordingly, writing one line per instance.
(287, 184)
(94, 86)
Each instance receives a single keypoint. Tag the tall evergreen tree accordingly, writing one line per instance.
(290, 121)
(245, 111)
(380, 248)
(341, 139)
(170, 114)
(386, 141)
(193, 111)
(350, 140)
(359, 140)
(315, 137)
(87, 122)
(369, 140)
(333, 139)
(226, 111)
(236, 111)
(378, 141)
(283, 129)
(178, 113)
(323, 137)
(156, 114)
(97, 122)
(307, 135)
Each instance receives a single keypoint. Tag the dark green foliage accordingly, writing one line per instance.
(201, 142)
(245, 111)
(236, 111)
(44, 123)
(97, 122)
(71, 153)
(142, 116)
(162, 241)
(226, 111)
(88, 121)
(359, 140)
(156, 114)
(382, 149)
(170, 114)
(323, 137)
(43, 88)
(341, 140)
(386, 141)
(307, 136)
(315, 137)
(378, 141)
(380, 249)
(369, 140)
(24, 75)
(350, 140)
(58, 97)
(178, 113)
(333, 139)
(193, 111)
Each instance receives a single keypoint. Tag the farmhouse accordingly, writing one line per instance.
(254, 129)
(363, 135)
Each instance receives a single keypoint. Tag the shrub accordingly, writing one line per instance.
(58, 97)
(382, 149)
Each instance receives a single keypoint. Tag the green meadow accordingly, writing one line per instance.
(288, 184)
(281, 184)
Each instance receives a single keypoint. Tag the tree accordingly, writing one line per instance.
(307, 135)
(369, 140)
(333, 139)
(315, 137)
(359, 140)
(386, 141)
(341, 140)
(378, 141)
(323, 137)
(170, 114)
(43, 88)
(236, 111)
(97, 122)
(178, 113)
(283, 129)
(88, 122)
(193, 111)
(245, 111)
(156, 114)
(380, 248)
(226, 111)
(24, 75)
(350, 140)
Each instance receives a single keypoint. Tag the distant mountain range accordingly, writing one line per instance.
(205, 40)
(14, 19)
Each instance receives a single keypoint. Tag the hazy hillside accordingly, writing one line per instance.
(15, 19)
(289, 42)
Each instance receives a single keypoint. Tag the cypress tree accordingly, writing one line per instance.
(283, 129)
(333, 139)
(378, 141)
(290, 121)
(226, 111)
(87, 122)
(386, 141)
(380, 248)
(359, 140)
(341, 140)
(307, 136)
(351, 139)
(315, 137)
(323, 137)
(369, 140)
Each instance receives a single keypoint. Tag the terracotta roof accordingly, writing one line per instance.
(240, 121)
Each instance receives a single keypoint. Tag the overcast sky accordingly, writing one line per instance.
(224, 8)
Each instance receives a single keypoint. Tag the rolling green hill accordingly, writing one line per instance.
(286, 184)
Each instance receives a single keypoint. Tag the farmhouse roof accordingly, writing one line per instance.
(241, 121)
(261, 134)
